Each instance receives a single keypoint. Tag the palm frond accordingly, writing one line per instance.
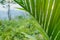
(47, 13)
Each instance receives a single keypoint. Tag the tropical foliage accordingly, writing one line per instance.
(2, 1)
(47, 14)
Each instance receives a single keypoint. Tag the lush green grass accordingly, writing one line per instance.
(21, 29)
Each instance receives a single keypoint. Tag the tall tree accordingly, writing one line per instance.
(9, 15)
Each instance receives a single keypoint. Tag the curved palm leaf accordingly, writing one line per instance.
(47, 13)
